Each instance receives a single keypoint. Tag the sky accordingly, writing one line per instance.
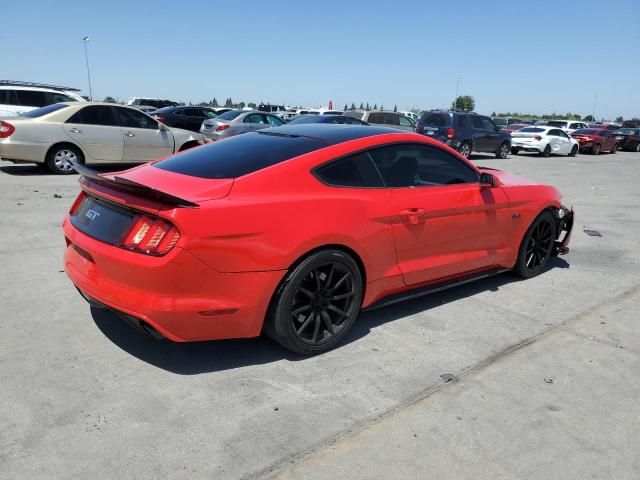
(536, 57)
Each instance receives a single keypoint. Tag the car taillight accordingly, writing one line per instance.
(6, 129)
(450, 132)
(537, 137)
(76, 203)
(160, 118)
(152, 236)
(631, 138)
(222, 127)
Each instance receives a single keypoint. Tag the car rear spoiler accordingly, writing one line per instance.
(125, 185)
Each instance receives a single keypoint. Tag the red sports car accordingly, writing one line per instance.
(596, 140)
(293, 230)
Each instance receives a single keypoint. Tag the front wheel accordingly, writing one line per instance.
(596, 149)
(60, 160)
(465, 149)
(317, 303)
(536, 246)
(574, 151)
(503, 151)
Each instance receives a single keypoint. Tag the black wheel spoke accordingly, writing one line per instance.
(298, 311)
(330, 277)
(316, 330)
(335, 309)
(327, 322)
(306, 323)
(342, 296)
(308, 293)
(341, 281)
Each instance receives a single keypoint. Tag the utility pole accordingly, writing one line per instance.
(593, 113)
(455, 100)
(86, 40)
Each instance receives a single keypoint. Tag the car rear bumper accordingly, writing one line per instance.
(177, 295)
(528, 146)
(17, 151)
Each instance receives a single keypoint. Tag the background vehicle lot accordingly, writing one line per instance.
(84, 396)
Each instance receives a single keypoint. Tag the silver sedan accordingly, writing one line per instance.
(235, 122)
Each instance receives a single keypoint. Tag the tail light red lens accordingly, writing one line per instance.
(160, 118)
(6, 129)
(537, 137)
(222, 128)
(153, 236)
(450, 132)
(631, 138)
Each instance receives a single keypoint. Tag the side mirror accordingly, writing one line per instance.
(487, 180)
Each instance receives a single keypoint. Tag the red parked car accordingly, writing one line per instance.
(596, 140)
(293, 230)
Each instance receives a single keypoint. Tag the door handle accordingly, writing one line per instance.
(412, 214)
(130, 134)
(75, 130)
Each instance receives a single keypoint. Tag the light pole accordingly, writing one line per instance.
(86, 40)
(455, 100)
(593, 113)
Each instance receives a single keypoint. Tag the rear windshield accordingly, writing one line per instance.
(587, 131)
(358, 115)
(436, 119)
(230, 115)
(531, 130)
(39, 112)
(239, 155)
(557, 124)
(308, 119)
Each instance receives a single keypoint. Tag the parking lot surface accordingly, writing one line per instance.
(547, 367)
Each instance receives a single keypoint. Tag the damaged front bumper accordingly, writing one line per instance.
(564, 225)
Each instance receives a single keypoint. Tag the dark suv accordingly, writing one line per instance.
(465, 132)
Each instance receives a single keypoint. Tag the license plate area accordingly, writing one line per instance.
(102, 220)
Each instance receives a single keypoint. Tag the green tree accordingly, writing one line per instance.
(353, 106)
(241, 105)
(252, 105)
(214, 102)
(228, 103)
(367, 107)
(588, 118)
(375, 107)
(361, 106)
(346, 107)
(493, 114)
(619, 119)
(110, 100)
(395, 108)
(466, 103)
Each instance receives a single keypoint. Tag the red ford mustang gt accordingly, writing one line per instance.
(293, 230)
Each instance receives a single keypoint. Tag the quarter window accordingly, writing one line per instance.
(413, 165)
(356, 171)
(274, 121)
(255, 118)
(376, 117)
(404, 121)
(31, 98)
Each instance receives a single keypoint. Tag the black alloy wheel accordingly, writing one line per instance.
(503, 151)
(317, 303)
(537, 245)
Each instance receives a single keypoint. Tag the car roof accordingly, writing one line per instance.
(331, 133)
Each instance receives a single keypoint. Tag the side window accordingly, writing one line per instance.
(563, 134)
(55, 97)
(31, 98)
(93, 115)
(356, 171)
(376, 117)
(553, 132)
(192, 112)
(477, 122)
(487, 124)
(255, 118)
(128, 117)
(274, 121)
(208, 113)
(404, 121)
(391, 119)
(461, 120)
(414, 165)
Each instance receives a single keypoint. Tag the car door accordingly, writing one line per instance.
(564, 142)
(479, 134)
(95, 130)
(144, 138)
(444, 223)
(554, 140)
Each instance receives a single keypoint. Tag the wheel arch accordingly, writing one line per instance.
(187, 145)
(69, 144)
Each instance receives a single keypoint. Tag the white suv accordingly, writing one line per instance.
(17, 98)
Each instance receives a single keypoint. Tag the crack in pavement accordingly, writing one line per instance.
(273, 470)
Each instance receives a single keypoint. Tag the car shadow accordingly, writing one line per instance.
(26, 170)
(213, 356)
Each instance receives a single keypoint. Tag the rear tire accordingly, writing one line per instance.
(465, 149)
(60, 159)
(546, 152)
(537, 244)
(503, 151)
(574, 151)
(615, 148)
(595, 150)
(316, 304)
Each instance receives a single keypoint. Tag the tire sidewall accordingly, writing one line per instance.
(281, 327)
(521, 267)
(50, 162)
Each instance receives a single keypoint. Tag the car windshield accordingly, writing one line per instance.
(557, 124)
(587, 131)
(239, 155)
(230, 115)
(39, 112)
(625, 131)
